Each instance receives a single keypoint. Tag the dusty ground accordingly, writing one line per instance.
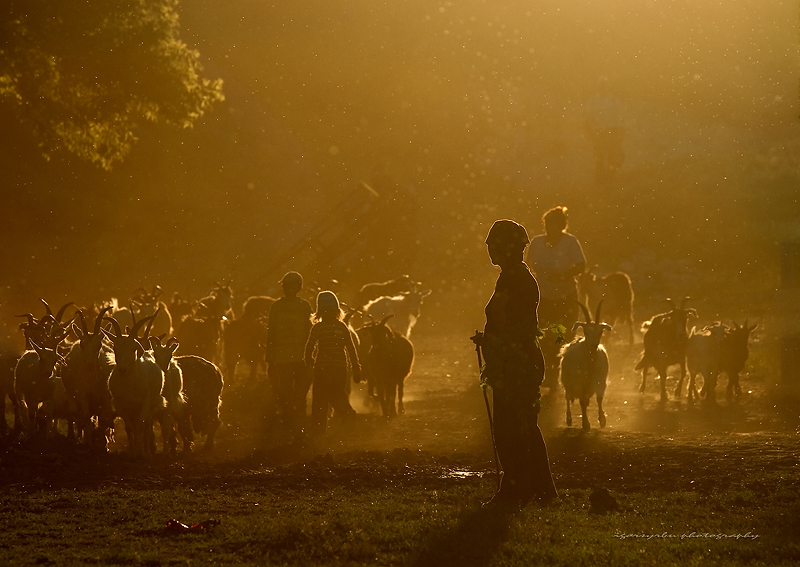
(646, 445)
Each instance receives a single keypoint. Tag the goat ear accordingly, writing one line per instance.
(140, 346)
(154, 342)
(426, 293)
(606, 326)
(173, 347)
(77, 331)
(36, 347)
(108, 335)
(576, 325)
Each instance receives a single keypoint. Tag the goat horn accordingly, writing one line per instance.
(133, 315)
(150, 324)
(60, 313)
(99, 321)
(139, 324)
(31, 319)
(115, 324)
(82, 321)
(597, 313)
(46, 306)
(171, 340)
(585, 312)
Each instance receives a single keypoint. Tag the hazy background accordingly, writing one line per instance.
(457, 114)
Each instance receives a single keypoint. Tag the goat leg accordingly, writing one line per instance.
(600, 412)
(585, 417)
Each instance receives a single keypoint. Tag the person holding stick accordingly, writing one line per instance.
(514, 369)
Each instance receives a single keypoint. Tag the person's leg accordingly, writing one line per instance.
(507, 441)
(319, 402)
(339, 398)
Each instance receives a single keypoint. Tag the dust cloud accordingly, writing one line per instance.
(360, 141)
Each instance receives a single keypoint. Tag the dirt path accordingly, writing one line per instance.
(647, 444)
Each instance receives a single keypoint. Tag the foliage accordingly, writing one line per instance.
(83, 75)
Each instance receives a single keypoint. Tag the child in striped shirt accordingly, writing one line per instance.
(327, 351)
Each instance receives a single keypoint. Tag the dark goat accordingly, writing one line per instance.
(733, 356)
(371, 291)
(202, 389)
(616, 292)
(199, 333)
(245, 338)
(703, 355)
(8, 361)
(390, 360)
(85, 378)
(665, 340)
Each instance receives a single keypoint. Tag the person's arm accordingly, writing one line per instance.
(310, 344)
(353, 355)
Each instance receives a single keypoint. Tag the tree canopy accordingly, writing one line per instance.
(83, 75)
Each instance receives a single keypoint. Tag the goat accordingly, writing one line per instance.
(405, 308)
(144, 304)
(8, 362)
(733, 355)
(202, 388)
(85, 378)
(665, 339)
(584, 367)
(34, 386)
(48, 331)
(244, 338)
(616, 292)
(172, 392)
(703, 352)
(391, 358)
(180, 309)
(390, 288)
(199, 333)
(136, 384)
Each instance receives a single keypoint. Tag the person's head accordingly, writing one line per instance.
(292, 283)
(555, 220)
(506, 242)
(328, 307)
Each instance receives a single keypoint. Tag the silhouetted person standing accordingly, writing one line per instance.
(606, 129)
(556, 258)
(329, 347)
(515, 368)
(288, 326)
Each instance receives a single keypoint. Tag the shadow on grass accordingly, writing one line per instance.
(473, 542)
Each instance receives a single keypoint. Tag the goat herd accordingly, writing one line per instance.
(711, 351)
(109, 361)
(88, 366)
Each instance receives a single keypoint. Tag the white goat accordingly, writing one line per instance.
(173, 392)
(584, 368)
(405, 309)
(136, 384)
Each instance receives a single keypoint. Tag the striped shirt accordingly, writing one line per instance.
(333, 344)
